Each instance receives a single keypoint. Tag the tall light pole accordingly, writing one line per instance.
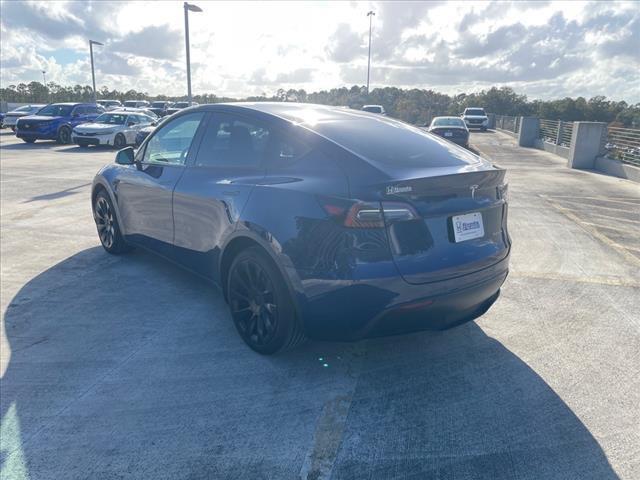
(370, 15)
(93, 73)
(44, 82)
(193, 8)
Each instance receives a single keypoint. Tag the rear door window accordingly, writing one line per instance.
(232, 140)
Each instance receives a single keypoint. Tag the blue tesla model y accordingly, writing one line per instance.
(315, 221)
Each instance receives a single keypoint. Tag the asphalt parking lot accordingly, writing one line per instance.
(128, 367)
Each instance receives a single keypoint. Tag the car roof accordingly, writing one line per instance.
(308, 115)
(447, 116)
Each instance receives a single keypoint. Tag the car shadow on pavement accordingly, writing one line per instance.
(61, 194)
(47, 144)
(39, 145)
(93, 148)
(128, 366)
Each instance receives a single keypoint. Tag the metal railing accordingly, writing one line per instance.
(506, 122)
(556, 132)
(623, 144)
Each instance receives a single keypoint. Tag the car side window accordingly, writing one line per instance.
(232, 140)
(133, 119)
(284, 150)
(170, 144)
(78, 111)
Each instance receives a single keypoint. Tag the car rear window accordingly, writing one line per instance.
(388, 142)
(448, 122)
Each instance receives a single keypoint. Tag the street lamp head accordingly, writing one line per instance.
(371, 13)
(93, 42)
(191, 7)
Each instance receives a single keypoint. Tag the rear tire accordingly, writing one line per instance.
(261, 305)
(107, 225)
(64, 136)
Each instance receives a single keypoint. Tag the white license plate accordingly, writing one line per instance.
(467, 227)
(448, 134)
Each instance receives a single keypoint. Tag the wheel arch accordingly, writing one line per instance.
(247, 238)
(100, 185)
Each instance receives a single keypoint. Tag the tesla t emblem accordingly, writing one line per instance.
(473, 190)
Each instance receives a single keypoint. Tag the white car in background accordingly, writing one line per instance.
(116, 128)
(12, 117)
(379, 109)
(144, 111)
(136, 104)
(475, 117)
(110, 104)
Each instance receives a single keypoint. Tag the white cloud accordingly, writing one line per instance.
(544, 49)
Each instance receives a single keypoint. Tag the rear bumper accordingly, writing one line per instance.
(387, 306)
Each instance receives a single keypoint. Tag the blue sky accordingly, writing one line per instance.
(544, 49)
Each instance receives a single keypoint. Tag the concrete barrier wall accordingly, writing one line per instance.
(553, 148)
(508, 132)
(618, 169)
(585, 151)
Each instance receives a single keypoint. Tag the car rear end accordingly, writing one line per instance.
(432, 245)
(457, 135)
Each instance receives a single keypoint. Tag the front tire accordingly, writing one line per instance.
(64, 136)
(107, 225)
(119, 142)
(261, 305)
(29, 140)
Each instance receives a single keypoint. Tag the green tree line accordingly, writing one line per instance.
(417, 106)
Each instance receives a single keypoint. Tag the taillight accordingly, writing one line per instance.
(364, 215)
(368, 214)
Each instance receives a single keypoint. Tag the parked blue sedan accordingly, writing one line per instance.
(56, 121)
(315, 221)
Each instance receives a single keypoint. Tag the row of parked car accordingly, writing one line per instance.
(160, 108)
(106, 123)
(111, 123)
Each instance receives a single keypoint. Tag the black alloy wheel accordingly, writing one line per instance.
(119, 142)
(64, 136)
(107, 225)
(260, 303)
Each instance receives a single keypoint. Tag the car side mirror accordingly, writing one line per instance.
(154, 123)
(125, 156)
